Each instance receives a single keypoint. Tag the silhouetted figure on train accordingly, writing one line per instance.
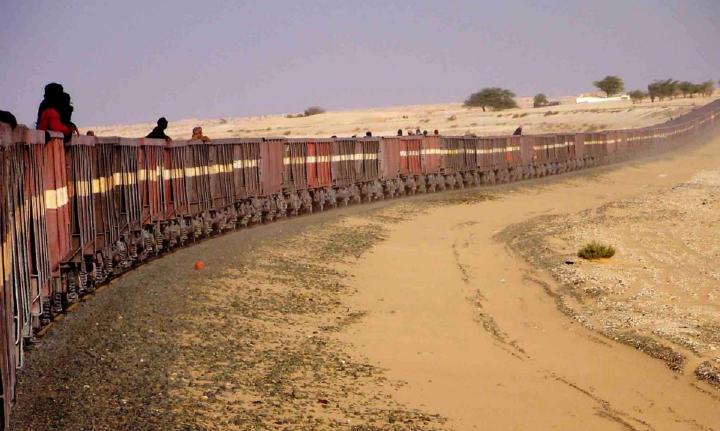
(55, 113)
(418, 132)
(399, 132)
(368, 134)
(53, 93)
(159, 131)
(518, 131)
(436, 132)
(7, 117)
(424, 132)
(66, 110)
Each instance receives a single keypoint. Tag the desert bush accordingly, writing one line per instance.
(540, 100)
(611, 85)
(288, 132)
(661, 89)
(313, 110)
(548, 113)
(452, 118)
(637, 95)
(706, 88)
(494, 98)
(596, 250)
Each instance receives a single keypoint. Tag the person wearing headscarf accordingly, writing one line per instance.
(53, 93)
(159, 131)
(197, 134)
(66, 110)
(55, 112)
(7, 117)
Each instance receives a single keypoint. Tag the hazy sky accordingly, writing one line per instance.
(133, 61)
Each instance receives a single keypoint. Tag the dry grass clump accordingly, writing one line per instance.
(596, 250)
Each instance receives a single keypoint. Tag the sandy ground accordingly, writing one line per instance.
(663, 287)
(400, 315)
(478, 335)
(449, 119)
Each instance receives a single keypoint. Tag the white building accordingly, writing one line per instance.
(596, 99)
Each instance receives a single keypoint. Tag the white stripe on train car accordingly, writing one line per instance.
(56, 198)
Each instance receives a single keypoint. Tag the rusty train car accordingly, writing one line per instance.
(74, 215)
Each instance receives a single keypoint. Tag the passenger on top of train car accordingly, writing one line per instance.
(436, 132)
(159, 131)
(368, 134)
(7, 117)
(399, 133)
(66, 110)
(90, 133)
(417, 131)
(53, 92)
(56, 113)
(197, 135)
(424, 132)
(518, 131)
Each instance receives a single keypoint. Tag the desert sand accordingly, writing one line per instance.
(483, 338)
(448, 119)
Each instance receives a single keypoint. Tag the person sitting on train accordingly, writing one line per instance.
(368, 134)
(159, 131)
(54, 110)
(418, 132)
(53, 92)
(399, 133)
(518, 131)
(90, 133)
(197, 135)
(7, 117)
(436, 132)
(410, 133)
(424, 132)
(66, 110)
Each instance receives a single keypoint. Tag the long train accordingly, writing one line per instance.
(75, 215)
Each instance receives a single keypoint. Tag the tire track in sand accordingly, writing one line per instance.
(421, 327)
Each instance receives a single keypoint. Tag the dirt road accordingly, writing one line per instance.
(478, 337)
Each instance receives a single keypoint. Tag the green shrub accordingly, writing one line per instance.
(595, 250)
(314, 110)
(540, 100)
(494, 98)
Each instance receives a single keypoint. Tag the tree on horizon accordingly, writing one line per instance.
(493, 97)
(611, 85)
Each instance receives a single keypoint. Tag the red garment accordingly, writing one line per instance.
(50, 120)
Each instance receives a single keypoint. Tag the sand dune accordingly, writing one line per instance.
(449, 119)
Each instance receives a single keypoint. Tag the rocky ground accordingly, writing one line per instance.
(246, 343)
(660, 292)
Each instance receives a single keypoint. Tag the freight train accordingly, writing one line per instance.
(74, 215)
